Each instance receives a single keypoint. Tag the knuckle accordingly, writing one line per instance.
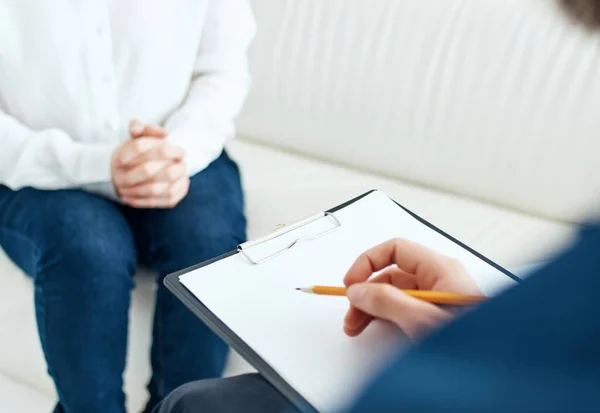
(137, 146)
(363, 256)
(143, 145)
(124, 154)
(154, 189)
(172, 173)
(147, 169)
(398, 242)
(429, 270)
(171, 201)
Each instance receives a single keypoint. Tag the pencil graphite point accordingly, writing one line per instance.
(305, 289)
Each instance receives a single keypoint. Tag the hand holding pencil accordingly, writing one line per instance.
(406, 266)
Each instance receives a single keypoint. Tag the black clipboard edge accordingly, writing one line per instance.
(433, 227)
(226, 334)
(463, 245)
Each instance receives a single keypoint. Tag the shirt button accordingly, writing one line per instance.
(108, 126)
(100, 30)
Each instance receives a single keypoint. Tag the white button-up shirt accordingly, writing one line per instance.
(73, 74)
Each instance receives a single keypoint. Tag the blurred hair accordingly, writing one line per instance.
(586, 12)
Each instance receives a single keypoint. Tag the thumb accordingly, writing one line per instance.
(136, 128)
(386, 302)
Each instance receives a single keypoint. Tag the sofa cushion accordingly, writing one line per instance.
(496, 99)
(18, 397)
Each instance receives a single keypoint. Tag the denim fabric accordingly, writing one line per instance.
(82, 252)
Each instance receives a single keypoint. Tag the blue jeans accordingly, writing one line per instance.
(82, 251)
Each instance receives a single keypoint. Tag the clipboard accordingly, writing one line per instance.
(234, 341)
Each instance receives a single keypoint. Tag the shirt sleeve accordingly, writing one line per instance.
(220, 83)
(50, 159)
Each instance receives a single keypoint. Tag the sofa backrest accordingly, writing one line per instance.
(493, 99)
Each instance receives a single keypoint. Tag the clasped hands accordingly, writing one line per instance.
(376, 279)
(147, 171)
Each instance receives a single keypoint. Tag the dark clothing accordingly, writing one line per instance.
(248, 393)
(534, 348)
(82, 251)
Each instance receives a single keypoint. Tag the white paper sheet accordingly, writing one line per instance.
(300, 335)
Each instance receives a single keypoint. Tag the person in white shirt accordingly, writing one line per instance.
(113, 121)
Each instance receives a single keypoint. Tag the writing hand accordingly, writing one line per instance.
(406, 265)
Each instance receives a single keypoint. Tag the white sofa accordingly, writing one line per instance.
(481, 116)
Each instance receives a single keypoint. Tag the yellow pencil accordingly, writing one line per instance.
(434, 297)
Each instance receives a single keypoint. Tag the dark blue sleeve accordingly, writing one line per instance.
(534, 348)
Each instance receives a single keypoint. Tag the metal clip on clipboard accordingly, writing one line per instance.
(243, 248)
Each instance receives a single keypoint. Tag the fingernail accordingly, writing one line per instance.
(356, 292)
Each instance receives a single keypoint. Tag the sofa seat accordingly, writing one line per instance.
(280, 187)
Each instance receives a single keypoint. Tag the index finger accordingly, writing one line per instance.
(142, 173)
(164, 152)
(137, 147)
(405, 254)
(155, 131)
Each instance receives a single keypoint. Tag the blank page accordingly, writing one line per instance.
(300, 335)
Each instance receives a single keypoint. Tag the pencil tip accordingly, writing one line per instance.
(298, 289)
